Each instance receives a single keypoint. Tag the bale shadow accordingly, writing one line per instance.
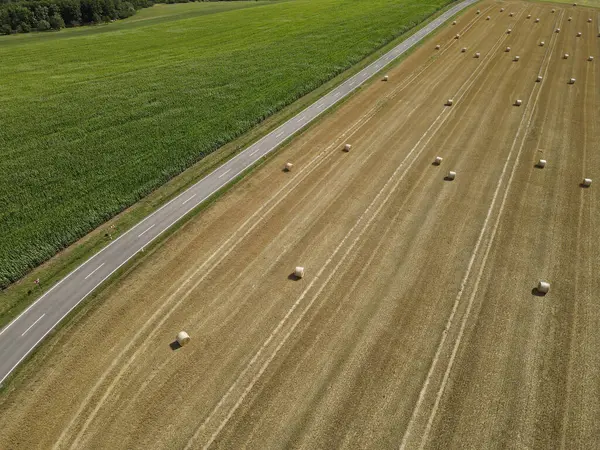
(537, 293)
(292, 276)
(447, 178)
(175, 345)
(583, 185)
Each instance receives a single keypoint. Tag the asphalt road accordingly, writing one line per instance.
(23, 334)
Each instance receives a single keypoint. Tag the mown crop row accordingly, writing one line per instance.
(93, 121)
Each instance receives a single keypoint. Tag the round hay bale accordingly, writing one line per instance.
(569, 19)
(507, 49)
(571, 80)
(516, 58)
(529, 16)
(501, 9)
(488, 18)
(454, 23)
(511, 14)
(579, 34)
(557, 30)
(566, 56)
(477, 55)
(478, 12)
(590, 58)
(438, 160)
(457, 36)
(543, 287)
(574, 4)
(542, 43)
(518, 102)
(587, 182)
(449, 102)
(539, 78)
(537, 20)
(183, 338)
(541, 163)
(464, 49)
(288, 166)
(590, 20)
(299, 272)
(437, 47)
(385, 78)
(553, 10)
(347, 147)
(508, 31)
(451, 175)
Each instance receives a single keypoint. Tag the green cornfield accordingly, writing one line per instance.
(94, 118)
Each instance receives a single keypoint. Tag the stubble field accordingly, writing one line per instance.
(416, 324)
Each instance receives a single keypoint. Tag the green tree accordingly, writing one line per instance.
(24, 27)
(56, 22)
(126, 9)
(19, 15)
(40, 12)
(43, 25)
(70, 10)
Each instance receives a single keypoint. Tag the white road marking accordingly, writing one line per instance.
(390, 56)
(146, 230)
(31, 326)
(279, 134)
(320, 106)
(254, 152)
(93, 271)
(337, 94)
(188, 199)
(301, 118)
(224, 173)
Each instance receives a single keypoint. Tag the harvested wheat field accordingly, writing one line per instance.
(417, 322)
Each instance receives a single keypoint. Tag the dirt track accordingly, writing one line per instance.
(416, 323)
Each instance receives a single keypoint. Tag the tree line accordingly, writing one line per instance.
(43, 15)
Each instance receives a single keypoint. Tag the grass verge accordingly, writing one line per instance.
(21, 294)
(152, 98)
